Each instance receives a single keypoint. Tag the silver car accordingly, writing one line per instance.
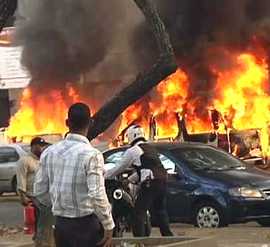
(9, 157)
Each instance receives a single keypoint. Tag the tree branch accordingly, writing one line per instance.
(165, 66)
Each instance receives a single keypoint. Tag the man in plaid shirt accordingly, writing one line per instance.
(71, 171)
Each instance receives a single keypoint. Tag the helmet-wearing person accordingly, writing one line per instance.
(134, 133)
(152, 178)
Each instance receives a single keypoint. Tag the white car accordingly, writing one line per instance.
(10, 154)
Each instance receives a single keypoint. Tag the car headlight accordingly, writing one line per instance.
(245, 192)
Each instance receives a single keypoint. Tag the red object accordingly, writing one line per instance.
(29, 220)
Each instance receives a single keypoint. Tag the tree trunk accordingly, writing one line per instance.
(164, 66)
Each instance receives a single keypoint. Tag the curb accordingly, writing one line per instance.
(167, 242)
(16, 244)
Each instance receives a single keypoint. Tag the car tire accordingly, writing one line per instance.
(1, 193)
(209, 215)
(264, 222)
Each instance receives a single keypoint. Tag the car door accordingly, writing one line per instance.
(8, 163)
(178, 201)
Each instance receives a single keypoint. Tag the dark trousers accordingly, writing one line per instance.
(37, 213)
(152, 197)
(44, 225)
(78, 232)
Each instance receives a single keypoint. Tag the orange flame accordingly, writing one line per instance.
(244, 90)
(42, 113)
(241, 96)
(172, 93)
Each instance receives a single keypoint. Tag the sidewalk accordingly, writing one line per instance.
(246, 235)
(155, 241)
(16, 244)
(18, 240)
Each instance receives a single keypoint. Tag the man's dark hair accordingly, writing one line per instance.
(79, 116)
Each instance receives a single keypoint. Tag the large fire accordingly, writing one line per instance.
(42, 113)
(241, 95)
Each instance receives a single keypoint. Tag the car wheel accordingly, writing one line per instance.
(208, 215)
(1, 193)
(264, 222)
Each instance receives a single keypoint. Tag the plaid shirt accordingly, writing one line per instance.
(72, 172)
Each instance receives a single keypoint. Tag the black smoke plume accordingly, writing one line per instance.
(199, 29)
(64, 38)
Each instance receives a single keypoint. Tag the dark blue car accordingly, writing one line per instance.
(208, 187)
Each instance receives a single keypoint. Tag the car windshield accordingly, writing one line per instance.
(203, 158)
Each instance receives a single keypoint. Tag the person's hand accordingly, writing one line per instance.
(107, 239)
(125, 182)
(25, 201)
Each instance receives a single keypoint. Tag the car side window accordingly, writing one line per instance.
(8, 154)
(168, 164)
(114, 157)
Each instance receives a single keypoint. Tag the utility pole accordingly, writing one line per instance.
(4, 108)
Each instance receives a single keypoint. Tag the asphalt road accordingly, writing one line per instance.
(11, 212)
(245, 235)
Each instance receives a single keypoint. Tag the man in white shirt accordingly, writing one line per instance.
(72, 172)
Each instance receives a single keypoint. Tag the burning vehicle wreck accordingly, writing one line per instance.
(244, 144)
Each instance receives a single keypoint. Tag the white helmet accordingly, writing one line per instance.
(134, 132)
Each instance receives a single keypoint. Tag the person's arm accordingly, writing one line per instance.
(21, 175)
(41, 183)
(126, 162)
(96, 189)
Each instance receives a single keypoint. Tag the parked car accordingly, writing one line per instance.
(9, 158)
(209, 187)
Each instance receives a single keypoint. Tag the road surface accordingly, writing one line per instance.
(11, 212)
(245, 235)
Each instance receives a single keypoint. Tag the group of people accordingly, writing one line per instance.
(65, 183)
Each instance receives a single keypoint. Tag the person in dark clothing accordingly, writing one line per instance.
(152, 178)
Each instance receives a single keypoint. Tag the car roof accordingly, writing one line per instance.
(18, 146)
(169, 145)
(13, 144)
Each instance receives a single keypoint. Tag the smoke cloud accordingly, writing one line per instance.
(199, 29)
(109, 40)
(64, 38)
